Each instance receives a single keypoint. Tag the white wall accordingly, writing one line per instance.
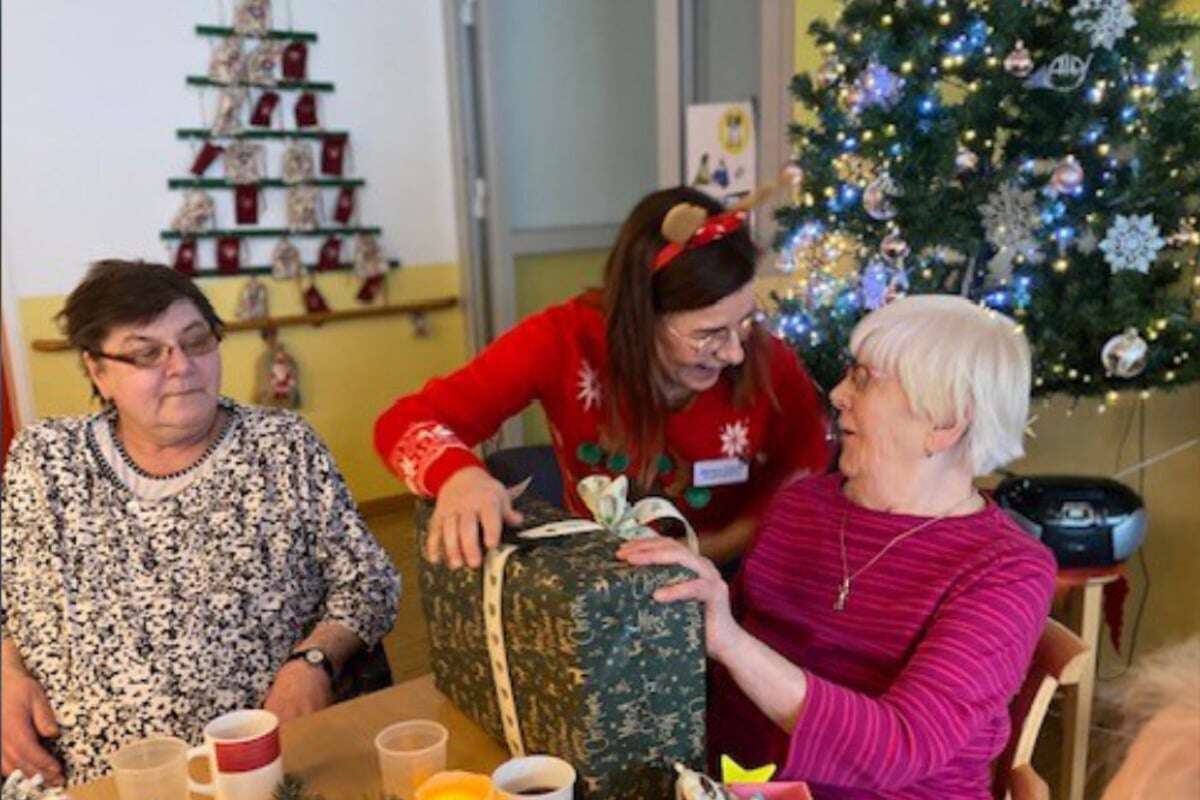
(93, 93)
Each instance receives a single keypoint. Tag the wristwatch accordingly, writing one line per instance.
(315, 656)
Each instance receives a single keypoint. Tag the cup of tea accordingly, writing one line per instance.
(244, 757)
(410, 753)
(151, 769)
(534, 778)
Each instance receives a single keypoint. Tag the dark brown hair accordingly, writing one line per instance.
(116, 293)
(634, 297)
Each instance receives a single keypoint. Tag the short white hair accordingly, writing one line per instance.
(956, 362)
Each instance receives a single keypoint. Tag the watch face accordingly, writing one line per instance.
(314, 656)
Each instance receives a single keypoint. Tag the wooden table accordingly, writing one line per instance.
(334, 749)
(1084, 594)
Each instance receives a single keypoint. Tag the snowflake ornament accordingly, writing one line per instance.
(735, 439)
(1132, 243)
(1105, 21)
(1010, 218)
(588, 386)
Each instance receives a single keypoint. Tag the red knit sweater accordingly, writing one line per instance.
(909, 685)
(558, 357)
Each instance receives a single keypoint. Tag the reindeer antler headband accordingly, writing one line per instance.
(688, 226)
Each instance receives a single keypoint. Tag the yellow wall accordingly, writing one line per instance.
(1086, 442)
(349, 371)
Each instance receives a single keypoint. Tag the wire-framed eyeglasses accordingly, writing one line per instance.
(716, 340)
(154, 354)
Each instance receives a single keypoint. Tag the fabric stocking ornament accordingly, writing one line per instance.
(345, 205)
(264, 109)
(246, 204)
(314, 302)
(285, 261)
(209, 153)
(185, 257)
(229, 255)
(331, 254)
(333, 153)
(369, 289)
(295, 61)
(306, 110)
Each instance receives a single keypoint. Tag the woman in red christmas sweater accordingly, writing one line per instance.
(663, 376)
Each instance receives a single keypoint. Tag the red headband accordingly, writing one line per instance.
(718, 226)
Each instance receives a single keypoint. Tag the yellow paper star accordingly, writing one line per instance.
(732, 772)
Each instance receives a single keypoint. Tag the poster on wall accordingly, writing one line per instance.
(721, 152)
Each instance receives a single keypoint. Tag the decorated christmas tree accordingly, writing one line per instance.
(1041, 157)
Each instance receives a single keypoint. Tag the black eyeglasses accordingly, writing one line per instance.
(154, 355)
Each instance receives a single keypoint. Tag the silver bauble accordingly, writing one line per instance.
(1124, 355)
(893, 247)
(1067, 176)
(877, 198)
(1019, 62)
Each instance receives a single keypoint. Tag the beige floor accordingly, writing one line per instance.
(408, 649)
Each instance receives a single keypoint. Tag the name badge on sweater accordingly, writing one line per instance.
(720, 472)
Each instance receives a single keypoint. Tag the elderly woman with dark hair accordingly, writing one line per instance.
(175, 556)
(885, 615)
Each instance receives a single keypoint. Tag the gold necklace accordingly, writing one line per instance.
(843, 593)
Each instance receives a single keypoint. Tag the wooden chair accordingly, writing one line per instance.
(1059, 660)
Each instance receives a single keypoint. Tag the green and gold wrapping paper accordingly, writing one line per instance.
(603, 675)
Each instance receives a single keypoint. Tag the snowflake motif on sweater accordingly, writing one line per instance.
(735, 439)
(588, 383)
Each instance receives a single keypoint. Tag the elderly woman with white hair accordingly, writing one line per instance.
(885, 615)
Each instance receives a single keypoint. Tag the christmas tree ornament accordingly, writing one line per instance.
(879, 87)
(225, 64)
(965, 160)
(343, 209)
(368, 257)
(195, 214)
(228, 119)
(1187, 73)
(1065, 73)
(261, 64)
(314, 301)
(1010, 218)
(185, 257)
(277, 378)
(333, 153)
(1067, 176)
(853, 168)
(330, 255)
(245, 162)
(295, 61)
(285, 261)
(829, 73)
(252, 17)
(1018, 62)
(302, 208)
(246, 201)
(873, 284)
(264, 109)
(252, 301)
(1132, 243)
(1125, 355)
(306, 110)
(851, 100)
(877, 199)
(229, 254)
(297, 165)
(209, 153)
(1104, 21)
(893, 247)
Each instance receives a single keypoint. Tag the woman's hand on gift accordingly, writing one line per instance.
(470, 502)
(721, 631)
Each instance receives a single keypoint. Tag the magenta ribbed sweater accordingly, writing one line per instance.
(909, 686)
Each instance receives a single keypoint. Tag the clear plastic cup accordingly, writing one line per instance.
(410, 753)
(151, 769)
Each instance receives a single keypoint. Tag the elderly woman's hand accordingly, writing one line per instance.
(26, 715)
(721, 631)
(471, 501)
(299, 689)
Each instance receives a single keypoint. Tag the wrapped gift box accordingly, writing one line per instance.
(602, 675)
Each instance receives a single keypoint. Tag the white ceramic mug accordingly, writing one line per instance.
(534, 778)
(244, 756)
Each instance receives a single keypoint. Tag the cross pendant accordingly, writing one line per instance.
(843, 594)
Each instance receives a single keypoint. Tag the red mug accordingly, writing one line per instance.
(244, 756)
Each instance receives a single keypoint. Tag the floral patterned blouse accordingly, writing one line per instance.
(142, 617)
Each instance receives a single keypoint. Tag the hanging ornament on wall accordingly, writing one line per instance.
(252, 301)
(277, 377)
(965, 160)
(1124, 355)
(1018, 62)
(877, 199)
(893, 247)
(1067, 176)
